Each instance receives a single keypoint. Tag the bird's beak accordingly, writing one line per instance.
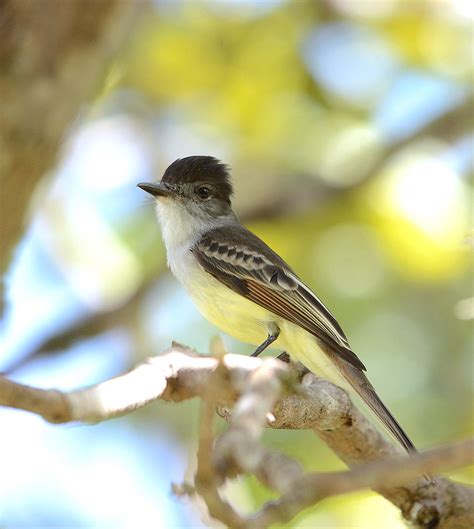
(157, 190)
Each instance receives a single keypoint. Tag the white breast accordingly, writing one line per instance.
(229, 311)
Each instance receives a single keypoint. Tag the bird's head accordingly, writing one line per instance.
(194, 192)
(201, 182)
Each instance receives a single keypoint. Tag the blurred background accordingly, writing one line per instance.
(348, 128)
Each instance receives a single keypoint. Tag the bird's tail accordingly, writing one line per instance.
(365, 390)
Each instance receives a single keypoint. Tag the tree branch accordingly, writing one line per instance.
(312, 488)
(268, 393)
(48, 71)
(207, 480)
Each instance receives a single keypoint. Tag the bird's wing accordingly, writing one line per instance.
(239, 259)
(244, 263)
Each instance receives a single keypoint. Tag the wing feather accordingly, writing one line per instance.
(289, 308)
(249, 267)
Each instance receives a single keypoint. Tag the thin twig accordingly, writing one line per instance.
(239, 449)
(313, 488)
(207, 479)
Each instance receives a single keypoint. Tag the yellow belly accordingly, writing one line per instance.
(232, 313)
(248, 322)
(304, 347)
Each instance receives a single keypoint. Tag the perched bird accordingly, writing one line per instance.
(243, 287)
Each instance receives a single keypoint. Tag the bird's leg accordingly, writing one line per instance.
(284, 357)
(272, 336)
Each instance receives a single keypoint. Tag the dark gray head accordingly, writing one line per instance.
(192, 198)
(198, 182)
(200, 171)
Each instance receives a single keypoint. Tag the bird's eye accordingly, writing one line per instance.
(204, 192)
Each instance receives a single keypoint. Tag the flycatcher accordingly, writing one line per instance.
(243, 287)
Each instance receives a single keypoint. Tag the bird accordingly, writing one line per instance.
(244, 287)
